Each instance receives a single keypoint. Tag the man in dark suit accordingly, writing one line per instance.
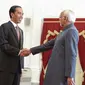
(61, 65)
(11, 43)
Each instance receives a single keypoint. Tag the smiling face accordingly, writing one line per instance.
(17, 15)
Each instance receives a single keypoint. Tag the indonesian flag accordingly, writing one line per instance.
(51, 28)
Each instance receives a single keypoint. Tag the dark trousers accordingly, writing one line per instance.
(7, 78)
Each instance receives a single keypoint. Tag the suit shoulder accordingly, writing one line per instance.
(5, 24)
(73, 32)
(73, 29)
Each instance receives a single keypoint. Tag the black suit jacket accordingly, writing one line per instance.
(9, 48)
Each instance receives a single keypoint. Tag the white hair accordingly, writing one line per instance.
(70, 15)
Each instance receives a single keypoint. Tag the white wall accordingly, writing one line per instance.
(37, 10)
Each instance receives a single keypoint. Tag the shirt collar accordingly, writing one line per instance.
(13, 23)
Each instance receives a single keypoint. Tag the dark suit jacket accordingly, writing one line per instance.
(9, 48)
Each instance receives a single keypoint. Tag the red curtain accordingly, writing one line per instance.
(80, 24)
(51, 24)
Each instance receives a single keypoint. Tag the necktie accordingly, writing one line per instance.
(18, 32)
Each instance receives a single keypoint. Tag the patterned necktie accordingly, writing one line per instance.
(18, 32)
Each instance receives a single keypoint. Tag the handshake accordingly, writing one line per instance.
(24, 52)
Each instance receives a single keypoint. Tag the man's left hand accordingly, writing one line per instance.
(70, 81)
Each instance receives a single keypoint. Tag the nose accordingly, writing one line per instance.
(21, 16)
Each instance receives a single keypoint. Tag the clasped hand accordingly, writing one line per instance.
(24, 52)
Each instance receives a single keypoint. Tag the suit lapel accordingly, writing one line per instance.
(21, 38)
(13, 30)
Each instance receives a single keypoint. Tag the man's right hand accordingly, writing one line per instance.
(24, 52)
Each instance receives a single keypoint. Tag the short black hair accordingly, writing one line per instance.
(13, 9)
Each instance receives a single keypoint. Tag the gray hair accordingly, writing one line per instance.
(70, 15)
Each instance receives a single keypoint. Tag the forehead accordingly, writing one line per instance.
(61, 14)
(19, 9)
